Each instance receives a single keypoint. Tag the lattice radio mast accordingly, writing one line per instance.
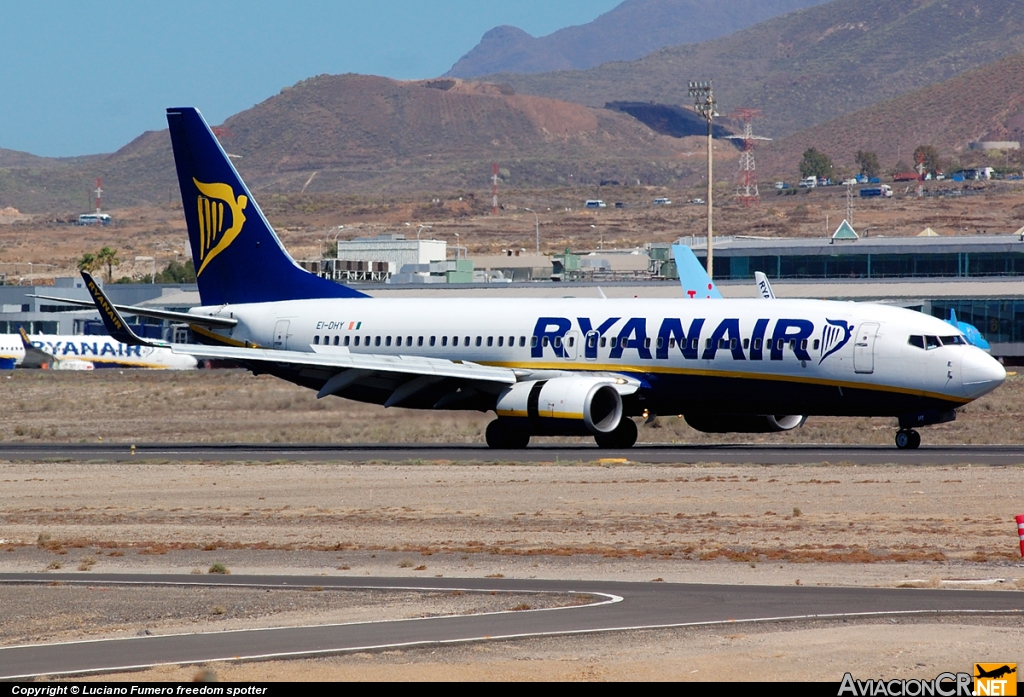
(494, 189)
(99, 193)
(747, 189)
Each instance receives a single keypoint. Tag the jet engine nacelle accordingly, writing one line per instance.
(743, 423)
(566, 406)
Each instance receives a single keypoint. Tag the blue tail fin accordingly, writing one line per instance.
(694, 279)
(237, 255)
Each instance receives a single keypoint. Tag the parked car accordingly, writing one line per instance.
(782, 185)
(697, 201)
(620, 204)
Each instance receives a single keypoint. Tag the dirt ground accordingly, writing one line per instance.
(828, 524)
(53, 244)
(235, 406)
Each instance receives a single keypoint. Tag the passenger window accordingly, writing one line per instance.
(432, 340)
(816, 344)
(376, 341)
(316, 339)
(357, 339)
(501, 341)
(336, 339)
(533, 342)
(455, 341)
(444, 340)
(572, 341)
(671, 343)
(693, 344)
(490, 341)
(746, 343)
(408, 341)
(803, 344)
(732, 344)
(781, 344)
(557, 342)
(522, 341)
(723, 343)
(347, 340)
(466, 342)
(647, 342)
(387, 341)
(478, 341)
(511, 341)
(707, 343)
(544, 342)
(757, 344)
(419, 341)
(604, 341)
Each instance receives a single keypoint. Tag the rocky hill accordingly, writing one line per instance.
(808, 67)
(629, 31)
(363, 134)
(986, 102)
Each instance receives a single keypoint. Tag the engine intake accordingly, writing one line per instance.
(744, 423)
(563, 406)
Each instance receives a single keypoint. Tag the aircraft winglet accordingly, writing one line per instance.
(112, 319)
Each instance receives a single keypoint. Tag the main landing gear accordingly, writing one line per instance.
(908, 439)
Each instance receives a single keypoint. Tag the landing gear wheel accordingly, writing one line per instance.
(908, 439)
(502, 437)
(624, 436)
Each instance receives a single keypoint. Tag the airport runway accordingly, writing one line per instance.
(652, 454)
(616, 607)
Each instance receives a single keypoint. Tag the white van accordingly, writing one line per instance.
(809, 183)
(596, 203)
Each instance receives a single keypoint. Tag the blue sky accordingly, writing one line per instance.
(87, 77)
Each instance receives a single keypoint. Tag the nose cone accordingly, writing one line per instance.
(980, 372)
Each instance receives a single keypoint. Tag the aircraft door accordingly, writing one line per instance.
(864, 349)
(571, 345)
(281, 335)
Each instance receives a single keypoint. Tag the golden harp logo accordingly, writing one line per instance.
(213, 238)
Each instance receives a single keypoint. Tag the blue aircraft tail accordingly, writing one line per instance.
(694, 279)
(237, 254)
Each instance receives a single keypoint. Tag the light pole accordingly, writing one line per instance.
(151, 260)
(536, 227)
(705, 106)
(422, 228)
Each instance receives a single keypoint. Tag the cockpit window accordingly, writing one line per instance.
(954, 340)
(917, 341)
(931, 342)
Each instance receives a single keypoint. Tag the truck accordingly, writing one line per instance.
(884, 191)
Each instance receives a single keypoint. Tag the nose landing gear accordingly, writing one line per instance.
(908, 439)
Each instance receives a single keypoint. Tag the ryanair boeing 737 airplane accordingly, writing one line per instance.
(549, 367)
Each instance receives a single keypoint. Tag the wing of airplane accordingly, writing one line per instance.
(191, 318)
(399, 380)
(694, 279)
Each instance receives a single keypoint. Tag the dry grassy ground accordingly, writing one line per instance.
(234, 406)
(303, 222)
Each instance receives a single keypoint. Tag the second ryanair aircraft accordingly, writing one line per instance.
(550, 367)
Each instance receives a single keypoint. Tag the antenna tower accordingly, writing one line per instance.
(494, 189)
(99, 193)
(747, 189)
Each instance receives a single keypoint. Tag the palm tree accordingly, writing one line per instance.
(108, 257)
(88, 262)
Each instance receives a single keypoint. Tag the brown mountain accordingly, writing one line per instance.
(630, 30)
(986, 102)
(810, 66)
(362, 134)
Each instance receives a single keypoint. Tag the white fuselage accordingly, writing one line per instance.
(100, 351)
(778, 355)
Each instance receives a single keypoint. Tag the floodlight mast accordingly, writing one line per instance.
(705, 105)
